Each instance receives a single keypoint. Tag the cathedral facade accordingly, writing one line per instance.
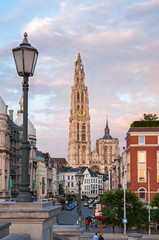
(79, 145)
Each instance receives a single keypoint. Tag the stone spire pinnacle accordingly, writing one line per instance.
(107, 128)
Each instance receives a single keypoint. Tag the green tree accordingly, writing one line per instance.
(114, 202)
(149, 117)
(155, 203)
(61, 189)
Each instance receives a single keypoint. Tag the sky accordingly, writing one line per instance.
(119, 45)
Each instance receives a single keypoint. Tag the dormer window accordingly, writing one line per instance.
(141, 140)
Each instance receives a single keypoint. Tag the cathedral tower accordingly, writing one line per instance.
(79, 146)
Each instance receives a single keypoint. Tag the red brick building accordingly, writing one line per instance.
(142, 164)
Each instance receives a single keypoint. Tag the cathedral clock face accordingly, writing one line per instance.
(80, 112)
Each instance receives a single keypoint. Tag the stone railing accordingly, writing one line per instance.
(17, 237)
(4, 229)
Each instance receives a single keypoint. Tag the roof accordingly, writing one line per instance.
(142, 129)
(59, 159)
(68, 169)
(107, 136)
(89, 170)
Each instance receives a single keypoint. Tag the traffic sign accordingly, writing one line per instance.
(124, 220)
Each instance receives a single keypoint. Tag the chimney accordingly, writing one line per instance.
(11, 114)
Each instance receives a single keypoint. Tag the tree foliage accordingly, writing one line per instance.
(61, 189)
(155, 203)
(149, 117)
(114, 210)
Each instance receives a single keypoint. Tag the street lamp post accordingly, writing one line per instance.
(148, 168)
(79, 180)
(25, 57)
(124, 158)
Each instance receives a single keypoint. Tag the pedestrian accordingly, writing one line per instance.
(95, 237)
(95, 223)
(101, 236)
(86, 222)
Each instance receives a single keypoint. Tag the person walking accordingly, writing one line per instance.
(101, 236)
(86, 222)
(95, 237)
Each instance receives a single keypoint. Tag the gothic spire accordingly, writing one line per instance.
(107, 128)
(79, 77)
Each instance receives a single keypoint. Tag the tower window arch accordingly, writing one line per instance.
(78, 97)
(77, 77)
(83, 132)
(84, 154)
(77, 131)
(81, 97)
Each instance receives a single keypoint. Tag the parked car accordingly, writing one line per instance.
(75, 203)
(85, 204)
(90, 201)
(90, 205)
(69, 207)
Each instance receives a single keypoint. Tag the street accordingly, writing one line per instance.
(71, 217)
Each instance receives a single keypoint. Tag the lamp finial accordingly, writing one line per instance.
(25, 40)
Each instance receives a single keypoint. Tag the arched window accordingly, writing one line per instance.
(78, 97)
(84, 154)
(77, 107)
(81, 97)
(43, 185)
(142, 194)
(106, 155)
(83, 132)
(77, 131)
(77, 77)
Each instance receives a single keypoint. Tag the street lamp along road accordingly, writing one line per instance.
(79, 180)
(25, 57)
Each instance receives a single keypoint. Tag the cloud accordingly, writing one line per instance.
(118, 42)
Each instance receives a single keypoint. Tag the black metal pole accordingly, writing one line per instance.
(24, 190)
(79, 202)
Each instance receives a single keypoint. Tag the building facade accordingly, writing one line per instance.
(10, 158)
(106, 151)
(79, 145)
(142, 163)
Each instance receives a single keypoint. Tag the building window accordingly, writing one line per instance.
(77, 131)
(83, 132)
(141, 140)
(84, 154)
(142, 194)
(68, 184)
(68, 177)
(72, 184)
(78, 97)
(72, 177)
(157, 166)
(81, 97)
(43, 185)
(141, 166)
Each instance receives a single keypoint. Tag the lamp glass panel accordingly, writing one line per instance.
(34, 62)
(28, 61)
(18, 60)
